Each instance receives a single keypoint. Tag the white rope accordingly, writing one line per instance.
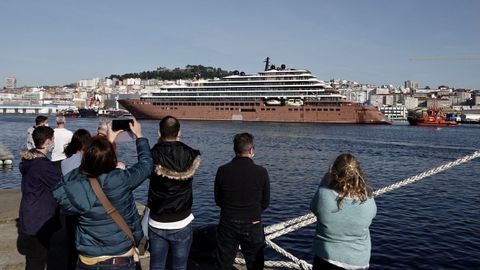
(426, 174)
(279, 229)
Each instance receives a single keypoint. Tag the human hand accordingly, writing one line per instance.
(121, 165)
(136, 128)
(112, 135)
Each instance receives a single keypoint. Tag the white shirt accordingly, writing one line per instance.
(62, 137)
(171, 225)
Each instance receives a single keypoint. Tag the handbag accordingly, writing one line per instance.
(115, 215)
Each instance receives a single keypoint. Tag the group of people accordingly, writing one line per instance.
(55, 197)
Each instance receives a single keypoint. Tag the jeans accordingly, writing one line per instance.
(129, 265)
(251, 239)
(177, 242)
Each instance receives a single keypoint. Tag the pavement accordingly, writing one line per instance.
(10, 259)
(9, 203)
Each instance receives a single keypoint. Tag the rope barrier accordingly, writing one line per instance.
(276, 230)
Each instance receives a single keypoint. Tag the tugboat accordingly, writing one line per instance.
(432, 118)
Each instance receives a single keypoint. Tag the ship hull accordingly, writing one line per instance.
(349, 113)
(87, 113)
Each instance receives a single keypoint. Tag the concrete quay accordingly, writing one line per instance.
(10, 259)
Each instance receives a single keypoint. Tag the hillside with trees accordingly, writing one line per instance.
(189, 72)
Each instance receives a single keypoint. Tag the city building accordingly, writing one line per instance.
(397, 112)
(413, 85)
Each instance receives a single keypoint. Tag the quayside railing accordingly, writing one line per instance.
(276, 230)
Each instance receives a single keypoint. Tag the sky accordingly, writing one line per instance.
(57, 42)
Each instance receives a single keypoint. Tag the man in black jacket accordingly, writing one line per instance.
(170, 197)
(242, 191)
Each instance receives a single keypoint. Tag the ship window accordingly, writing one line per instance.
(325, 109)
(262, 109)
(290, 109)
(247, 110)
(307, 110)
(331, 109)
(337, 110)
(274, 109)
(295, 109)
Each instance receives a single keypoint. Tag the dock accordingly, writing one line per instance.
(10, 259)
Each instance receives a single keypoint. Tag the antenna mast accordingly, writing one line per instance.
(267, 63)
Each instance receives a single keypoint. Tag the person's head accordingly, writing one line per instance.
(80, 140)
(169, 128)
(98, 158)
(41, 120)
(43, 137)
(243, 145)
(60, 119)
(347, 179)
(103, 126)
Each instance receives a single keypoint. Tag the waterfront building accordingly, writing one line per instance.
(377, 100)
(394, 112)
(437, 103)
(410, 102)
(10, 83)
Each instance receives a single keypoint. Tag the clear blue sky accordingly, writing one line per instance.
(57, 42)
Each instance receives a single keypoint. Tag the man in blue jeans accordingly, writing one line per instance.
(170, 197)
(242, 191)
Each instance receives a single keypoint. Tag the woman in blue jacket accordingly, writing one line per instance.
(345, 208)
(99, 240)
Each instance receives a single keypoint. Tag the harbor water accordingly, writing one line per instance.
(431, 224)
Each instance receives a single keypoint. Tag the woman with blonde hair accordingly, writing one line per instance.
(345, 208)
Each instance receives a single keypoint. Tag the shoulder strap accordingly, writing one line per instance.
(112, 211)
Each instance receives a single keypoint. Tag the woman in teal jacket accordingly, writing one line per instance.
(99, 240)
(345, 208)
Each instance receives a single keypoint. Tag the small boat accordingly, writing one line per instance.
(294, 102)
(70, 113)
(88, 112)
(433, 117)
(273, 101)
(112, 113)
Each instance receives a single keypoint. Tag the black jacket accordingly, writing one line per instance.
(170, 194)
(37, 205)
(242, 190)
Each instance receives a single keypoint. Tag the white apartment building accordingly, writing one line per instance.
(91, 83)
(132, 81)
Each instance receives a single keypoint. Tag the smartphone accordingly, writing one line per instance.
(121, 124)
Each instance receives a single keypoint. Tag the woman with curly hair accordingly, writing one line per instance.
(345, 208)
